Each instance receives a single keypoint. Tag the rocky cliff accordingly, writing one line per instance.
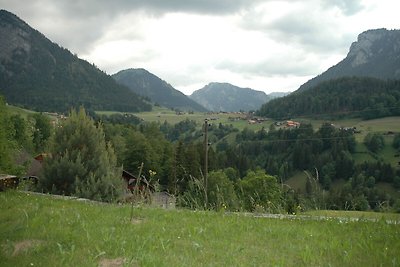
(376, 53)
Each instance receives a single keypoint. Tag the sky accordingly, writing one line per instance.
(271, 46)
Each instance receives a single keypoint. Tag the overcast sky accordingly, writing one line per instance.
(262, 44)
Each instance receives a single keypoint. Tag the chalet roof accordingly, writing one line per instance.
(7, 176)
(127, 175)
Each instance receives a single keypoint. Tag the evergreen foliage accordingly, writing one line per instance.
(81, 162)
(41, 131)
(368, 98)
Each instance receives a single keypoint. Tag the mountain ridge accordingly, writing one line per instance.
(145, 83)
(376, 53)
(217, 96)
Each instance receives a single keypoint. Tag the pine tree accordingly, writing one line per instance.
(81, 162)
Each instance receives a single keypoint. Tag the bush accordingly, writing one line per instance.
(221, 192)
(261, 192)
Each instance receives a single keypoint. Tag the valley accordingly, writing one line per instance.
(127, 170)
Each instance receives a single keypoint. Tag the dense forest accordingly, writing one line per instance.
(350, 96)
(247, 173)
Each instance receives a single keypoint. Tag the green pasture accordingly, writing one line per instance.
(19, 111)
(40, 230)
(160, 115)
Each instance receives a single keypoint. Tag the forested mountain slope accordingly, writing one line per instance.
(228, 97)
(39, 74)
(362, 97)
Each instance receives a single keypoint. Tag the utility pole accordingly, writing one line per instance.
(206, 162)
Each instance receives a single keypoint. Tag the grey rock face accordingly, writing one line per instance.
(362, 50)
(376, 53)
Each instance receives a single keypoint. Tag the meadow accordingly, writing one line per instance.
(161, 114)
(40, 230)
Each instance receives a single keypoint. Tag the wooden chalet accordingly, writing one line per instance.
(132, 181)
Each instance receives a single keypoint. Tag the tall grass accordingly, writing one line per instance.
(72, 233)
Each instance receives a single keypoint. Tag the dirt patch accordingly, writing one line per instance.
(112, 262)
(136, 221)
(25, 245)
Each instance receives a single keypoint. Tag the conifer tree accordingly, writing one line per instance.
(81, 162)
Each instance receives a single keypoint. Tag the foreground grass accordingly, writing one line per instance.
(71, 233)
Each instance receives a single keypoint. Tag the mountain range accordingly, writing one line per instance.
(160, 92)
(230, 98)
(39, 74)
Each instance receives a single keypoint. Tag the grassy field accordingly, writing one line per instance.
(45, 231)
(160, 114)
(19, 111)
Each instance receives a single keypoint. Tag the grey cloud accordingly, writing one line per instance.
(347, 7)
(309, 33)
(77, 24)
(308, 28)
(276, 66)
(94, 7)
